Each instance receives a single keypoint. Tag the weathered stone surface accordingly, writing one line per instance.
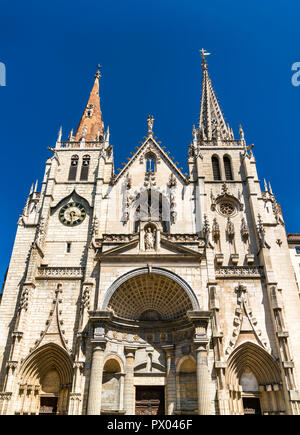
(184, 296)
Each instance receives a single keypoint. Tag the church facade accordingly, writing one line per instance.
(150, 291)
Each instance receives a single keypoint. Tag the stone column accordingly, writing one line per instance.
(171, 380)
(201, 320)
(94, 398)
(129, 390)
(203, 384)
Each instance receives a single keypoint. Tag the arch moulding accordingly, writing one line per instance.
(144, 271)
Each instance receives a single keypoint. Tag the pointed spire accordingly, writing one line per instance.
(91, 123)
(212, 122)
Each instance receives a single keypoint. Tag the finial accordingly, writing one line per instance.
(150, 121)
(241, 132)
(107, 134)
(98, 73)
(265, 184)
(270, 188)
(204, 53)
(36, 185)
(59, 134)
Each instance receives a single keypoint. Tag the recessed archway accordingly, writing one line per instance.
(159, 295)
(254, 381)
(48, 373)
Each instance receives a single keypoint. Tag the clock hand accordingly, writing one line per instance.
(72, 215)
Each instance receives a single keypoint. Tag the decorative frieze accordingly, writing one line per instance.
(183, 238)
(5, 395)
(60, 272)
(239, 271)
(117, 238)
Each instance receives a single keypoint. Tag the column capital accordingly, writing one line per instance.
(199, 316)
(211, 283)
(79, 365)
(12, 364)
(169, 349)
(201, 344)
(130, 351)
(98, 343)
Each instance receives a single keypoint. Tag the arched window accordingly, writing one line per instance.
(227, 167)
(150, 163)
(216, 168)
(73, 167)
(85, 167)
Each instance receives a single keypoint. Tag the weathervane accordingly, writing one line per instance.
(204, 53)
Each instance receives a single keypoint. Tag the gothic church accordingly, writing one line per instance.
(145, 290)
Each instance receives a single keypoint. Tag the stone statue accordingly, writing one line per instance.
(149, 238)
(194, 134)
(150, 121)
(84, 131)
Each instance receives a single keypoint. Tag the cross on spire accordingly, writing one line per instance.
(204, 53)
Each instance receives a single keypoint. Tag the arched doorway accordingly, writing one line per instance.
(254, 382)
(148, 321)
(45, 381)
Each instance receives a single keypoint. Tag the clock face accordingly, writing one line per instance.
(72, 214)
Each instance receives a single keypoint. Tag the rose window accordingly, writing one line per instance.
(227, 209)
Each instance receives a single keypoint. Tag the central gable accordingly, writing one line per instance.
(150, 165)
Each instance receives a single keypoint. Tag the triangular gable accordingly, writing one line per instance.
(53, 332)
(175, 248)
(151, 142)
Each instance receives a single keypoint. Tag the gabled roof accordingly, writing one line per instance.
(150, 142)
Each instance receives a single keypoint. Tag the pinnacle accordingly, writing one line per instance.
(91, 124)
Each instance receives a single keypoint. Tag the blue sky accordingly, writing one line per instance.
(151, 64)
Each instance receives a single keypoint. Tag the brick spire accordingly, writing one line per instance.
(91, 124)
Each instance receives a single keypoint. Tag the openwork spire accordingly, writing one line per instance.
(91, 124)
(211, 123)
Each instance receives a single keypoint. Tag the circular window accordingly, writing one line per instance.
(227, 209)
